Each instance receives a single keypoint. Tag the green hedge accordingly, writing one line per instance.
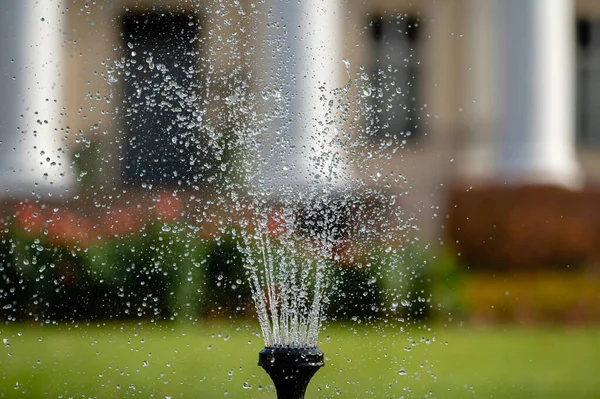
(165, 270)
(156, 272)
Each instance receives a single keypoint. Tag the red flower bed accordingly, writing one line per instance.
(121, 221)
(168, 207)
(69, 228)
(30, 218)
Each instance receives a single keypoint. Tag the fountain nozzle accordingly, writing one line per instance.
(291, 369)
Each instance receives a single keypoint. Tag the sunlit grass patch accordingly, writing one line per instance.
(213, 360)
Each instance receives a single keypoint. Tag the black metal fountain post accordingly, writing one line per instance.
(290, 369)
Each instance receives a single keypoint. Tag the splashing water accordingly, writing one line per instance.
(287, 266)
(300, 174)
(299, 191)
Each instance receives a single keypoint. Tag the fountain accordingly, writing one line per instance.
(299, 178)
(185, 182)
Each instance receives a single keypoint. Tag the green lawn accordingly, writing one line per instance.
(212, 361)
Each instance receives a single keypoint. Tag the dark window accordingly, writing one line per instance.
(588, 82)
(161, 120)
(395, 75)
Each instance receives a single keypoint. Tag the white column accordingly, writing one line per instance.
(33, 157)
(537, 139)
(482, 109)
(305, 49)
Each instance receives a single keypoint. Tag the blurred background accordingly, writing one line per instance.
(102, 218)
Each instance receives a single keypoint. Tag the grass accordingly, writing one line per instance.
(215, 360)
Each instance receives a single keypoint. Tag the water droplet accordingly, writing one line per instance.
(112, 79)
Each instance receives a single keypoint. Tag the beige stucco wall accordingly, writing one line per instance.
(93, 43)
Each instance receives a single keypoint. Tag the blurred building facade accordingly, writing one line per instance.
(500, 93)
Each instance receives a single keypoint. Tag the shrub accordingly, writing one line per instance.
(501, 228)
(60, 265)
(156, 272)
(227, 287)
(354, 293)
(532, 297)
(39, 280)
